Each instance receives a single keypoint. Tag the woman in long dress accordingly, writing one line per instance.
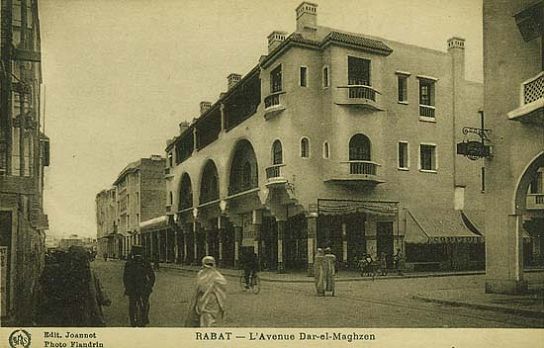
(319, 272)
(330, 270)
(207, 308)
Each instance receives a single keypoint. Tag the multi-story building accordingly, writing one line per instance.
(138, 194)
(24, 152)
(333, 139)
(106, 220)
(514, 109)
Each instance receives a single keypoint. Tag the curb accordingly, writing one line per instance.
(508, 310)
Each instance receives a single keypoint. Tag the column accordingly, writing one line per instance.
(504, 255)
(176, 246)
(185, 247)
(220, 236)
(312, 233)
(257, 220)
(207, 241)
(166, 248)
(195, 245)
(237, 243)
(344, 244)
(281, 236)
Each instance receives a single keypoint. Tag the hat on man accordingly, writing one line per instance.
(208, 261)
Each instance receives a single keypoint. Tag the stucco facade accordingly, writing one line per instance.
(513, 105)
(138, 194)
(304, 151)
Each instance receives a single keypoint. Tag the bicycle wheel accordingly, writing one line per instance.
(255, 284)
(243, 282)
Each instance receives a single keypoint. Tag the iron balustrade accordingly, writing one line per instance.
(426, 111)
(361, 92)
(271, 101)
(274, 171)
(363, 167)
(539, 199)
(532, 89)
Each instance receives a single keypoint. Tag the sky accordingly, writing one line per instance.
(121, 75)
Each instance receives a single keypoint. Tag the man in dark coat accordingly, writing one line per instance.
(139, 279)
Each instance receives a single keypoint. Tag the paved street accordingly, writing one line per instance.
(382, 303)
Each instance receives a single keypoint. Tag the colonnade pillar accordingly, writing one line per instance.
(281, 235)
(312, 233)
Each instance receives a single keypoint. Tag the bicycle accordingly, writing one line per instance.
(254, 283)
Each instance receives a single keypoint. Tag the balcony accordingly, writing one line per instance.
(356, 172)
(427, 111)
(535, 201)
(275, 175)
(531, 109)
(274, 104)
(362, 96)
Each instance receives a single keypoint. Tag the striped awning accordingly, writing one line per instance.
(342, 207)
(440, 226)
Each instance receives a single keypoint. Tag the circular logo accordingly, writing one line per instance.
(19, 339)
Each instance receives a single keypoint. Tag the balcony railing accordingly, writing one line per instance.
(363, 167)
(356, 171)
(531, 104)
(166, 171)
(426, 111)
(532, 89)
(535, 201)
(275, 175)
(359, 95)
(273, 104)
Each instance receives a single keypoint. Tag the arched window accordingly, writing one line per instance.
(359, 148)
(246, 175)
(326, 151)
(304, 148)
(277, 154)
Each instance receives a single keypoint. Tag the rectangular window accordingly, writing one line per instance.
(426, 98)
(427, 155)
(403, 155)
(358, 71)
(403, 88)
(275, 80)
(303, 76)
(326, 76)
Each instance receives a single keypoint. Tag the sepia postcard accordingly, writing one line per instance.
(271, 173)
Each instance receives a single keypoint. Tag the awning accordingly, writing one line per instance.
(341, 207)
(157, 223)
(440, 226)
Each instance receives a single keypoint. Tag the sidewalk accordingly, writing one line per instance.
(302, 277)
(527, 305)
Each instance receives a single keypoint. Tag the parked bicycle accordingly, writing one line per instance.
(254, 284)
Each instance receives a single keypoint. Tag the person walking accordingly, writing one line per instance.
(251, 266)
(397, 261)
(139, 279)
(329, 268)
(383, 263)
(83, 295)
(207, 308)
(319, 272)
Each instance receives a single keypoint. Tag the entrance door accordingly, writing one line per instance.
(384, 242)
(355, 237)
(269, 235)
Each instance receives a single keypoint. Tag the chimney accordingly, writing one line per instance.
(232, 80)
(183, 126)
(456, 48)
(275, 39)
(306, 17)
(205, 106)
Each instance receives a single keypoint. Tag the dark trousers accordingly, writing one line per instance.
(143, 300)
(248, 273)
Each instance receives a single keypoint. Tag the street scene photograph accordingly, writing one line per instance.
(281, 164)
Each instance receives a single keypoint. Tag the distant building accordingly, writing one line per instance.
(24, 152)
(514, 109)
(337, 140)
(138, 194)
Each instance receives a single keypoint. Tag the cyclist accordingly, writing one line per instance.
(251, 266)
(138, 279)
